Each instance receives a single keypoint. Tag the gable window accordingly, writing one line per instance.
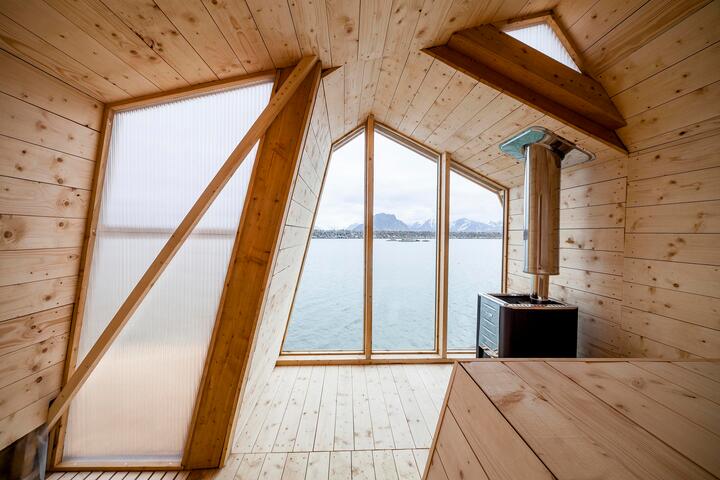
(541, 36)
(373, 280)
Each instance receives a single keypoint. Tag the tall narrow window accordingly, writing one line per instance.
(328, 309)
(474, 256)
(137, 404)
(404, 248)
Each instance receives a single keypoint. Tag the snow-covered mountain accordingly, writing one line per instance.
(384, 222)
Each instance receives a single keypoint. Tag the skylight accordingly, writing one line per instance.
(543, 38)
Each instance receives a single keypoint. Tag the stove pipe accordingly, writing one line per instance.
(544, 153)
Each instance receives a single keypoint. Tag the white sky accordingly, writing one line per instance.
(405, 185)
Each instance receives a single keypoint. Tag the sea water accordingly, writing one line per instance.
(328, 309)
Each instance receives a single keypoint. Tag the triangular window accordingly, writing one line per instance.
(542, 37)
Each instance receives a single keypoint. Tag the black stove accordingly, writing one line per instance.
(517, 325)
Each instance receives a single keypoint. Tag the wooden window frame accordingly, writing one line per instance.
(445, 165)
(57, 435)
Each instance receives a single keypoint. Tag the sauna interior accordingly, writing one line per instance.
(359, 239)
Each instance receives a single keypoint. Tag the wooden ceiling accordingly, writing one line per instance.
(119, 49)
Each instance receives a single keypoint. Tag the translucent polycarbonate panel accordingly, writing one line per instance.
(404, 248)
(328, 310)
(474, 256)
(137, 405)
(542, 38)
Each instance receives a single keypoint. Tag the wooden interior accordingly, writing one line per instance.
(572, 419)
(639, 230)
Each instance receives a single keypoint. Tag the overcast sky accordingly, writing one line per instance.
(405, 185)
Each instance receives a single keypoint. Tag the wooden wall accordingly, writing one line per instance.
(640, 239)
(289, 258)
(48, 140)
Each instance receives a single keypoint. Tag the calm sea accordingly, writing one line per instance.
(329, 305)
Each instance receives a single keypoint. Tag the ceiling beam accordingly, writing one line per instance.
(251, 265)
(508, 65)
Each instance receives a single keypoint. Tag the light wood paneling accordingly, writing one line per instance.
(48, 143)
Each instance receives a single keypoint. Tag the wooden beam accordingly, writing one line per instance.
(443, 242)
(266, 203)
(505, 64)
(176, 240)
(368, 243)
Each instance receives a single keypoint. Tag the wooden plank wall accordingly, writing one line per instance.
(48, 141)
(640, 246)
(288, 262)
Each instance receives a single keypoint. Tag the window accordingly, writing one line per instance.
(404, 248)
(137, 404)
(328, 310)
(543, 38)
(395, 273)
(475, 255)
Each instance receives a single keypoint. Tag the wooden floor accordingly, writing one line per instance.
(329, 423)
(580, 420)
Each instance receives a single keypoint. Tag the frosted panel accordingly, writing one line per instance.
(137, 404)
(542, 38)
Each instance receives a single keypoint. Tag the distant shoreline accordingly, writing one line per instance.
(400, 235)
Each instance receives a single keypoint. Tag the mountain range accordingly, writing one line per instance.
(386, 222)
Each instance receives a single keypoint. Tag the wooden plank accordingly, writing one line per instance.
(54, 28)
(686, 155)
(418, 426)
(592, 260)
(606, 239)
(34, 328)
(18, 424)
(696, 383)
(697, 409)
(695, 33)
(381, 429)
(27, 298)
(454, 92)
(639, 27)
(693, 107)
(193, 22)
(250, 466)
(287, 433)
(687, 248)
(362, 465)
(362, 424)
(24, 232)
(384, 464)
(274, 108)
(266, 437)
(31, 85)
(325, 433)
(682, 277)
(709, 369)
(25, 197)
(274, 21)
(318, 465)
(643, 454)
(340, 466)
(498, 447)
(33, 265)
(26, 361)
(283, 125)
(697, 217)
(405, 465)
(692, 186)
(273, 466)
(402, 437)
(39, 384)
(610, 191)
(24, 160)
(436, 470)
(343, 439)
(26, 122)
(544, 427)
(603, 307)
(309, 418)
(295, 466)
(599, 216)
(689, 439)
(156, 30)
(453, 449)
